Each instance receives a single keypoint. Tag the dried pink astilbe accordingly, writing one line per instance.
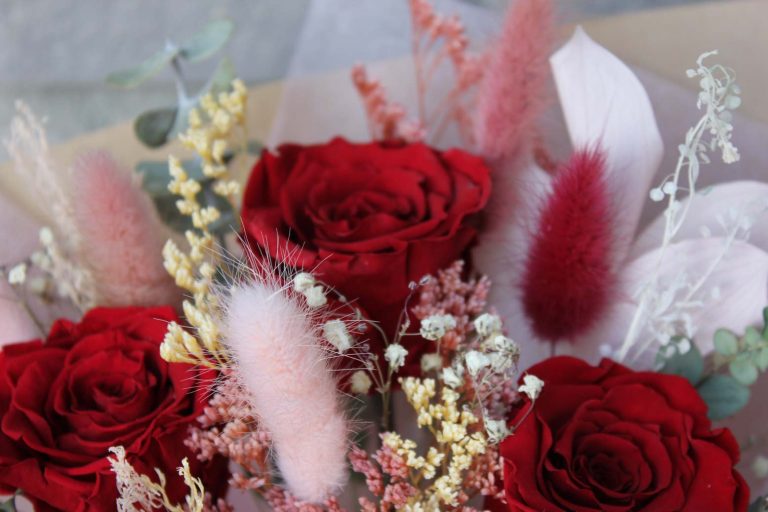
(228, 427)
(485, 477)
(449, 293)
(398, 489)
(120, 236)
(387, 120)
(280, 361)
(512, 93)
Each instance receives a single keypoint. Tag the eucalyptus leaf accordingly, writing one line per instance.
(761, 359)
(724, 396)
(9, 505)
(765, 323)
(153, 128)
(208, 41)
(136, 75)
(753, 338)
(223, 76)
(743, 370)
(726, 343)
(689, 365)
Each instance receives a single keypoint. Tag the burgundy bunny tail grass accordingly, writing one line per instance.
(569, 274)
(511, 95)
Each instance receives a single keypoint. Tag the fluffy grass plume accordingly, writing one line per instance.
(511, 95)
(569, 274)
(120, 236)
(280, 360)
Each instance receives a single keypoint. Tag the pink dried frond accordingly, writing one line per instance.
(281, 362)
(512, 93)
(386, 120)
(361, 463)
(120, 237)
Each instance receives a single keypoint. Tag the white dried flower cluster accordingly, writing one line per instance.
(314, 293)
(70, 280)
(434, 327)
(664, 309)
(395, 355)
(337, 334)
(487, 324)
(138, 492)
(532, 386)
(431, 362)
(360, 382)
(18, 274)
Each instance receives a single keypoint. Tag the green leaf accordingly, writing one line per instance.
(743, 370)
(753, 338)
(765, 323)
(689, 365)
(208, 41)
(223, 77)
(9, 505)
(154, 127)
(761, 359)
(726, 343)
(724, 396)
(136, 75)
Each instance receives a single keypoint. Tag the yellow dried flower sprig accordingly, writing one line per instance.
(210, 129)
(457, 447)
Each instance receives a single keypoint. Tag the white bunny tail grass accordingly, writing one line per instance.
(278, 354)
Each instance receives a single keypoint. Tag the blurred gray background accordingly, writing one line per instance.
(54, 54)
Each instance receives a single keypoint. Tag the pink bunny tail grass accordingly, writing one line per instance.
(569, 274)
(120, 236)
(280, 361)
(511, 95)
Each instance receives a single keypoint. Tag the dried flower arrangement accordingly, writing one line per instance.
(390, 331)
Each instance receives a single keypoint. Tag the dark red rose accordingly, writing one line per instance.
(92, 385)
(366, 218)
(607, 438)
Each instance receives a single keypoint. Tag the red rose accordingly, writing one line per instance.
(367, 218)
(607, 438)
(92, 385)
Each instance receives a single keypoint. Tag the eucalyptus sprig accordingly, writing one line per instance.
(724, 379)
(156, 127)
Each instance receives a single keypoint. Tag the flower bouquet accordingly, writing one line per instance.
(449, 311)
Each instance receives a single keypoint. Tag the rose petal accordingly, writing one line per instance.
(748, 199)
(605, 105)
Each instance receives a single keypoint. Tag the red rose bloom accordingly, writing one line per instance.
(92, 385)
(367, 218)
(607, 438)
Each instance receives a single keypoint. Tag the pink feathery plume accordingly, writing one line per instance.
(280, 360)
(120, 237)
(511, 94)
(569, 274)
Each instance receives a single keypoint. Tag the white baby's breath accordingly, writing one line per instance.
(531, 386)
(336, 333)
(431, 362)
(18, 274)
(434, 327)
(360, 382)
(487, 324)
(395, 355)
(315, 296)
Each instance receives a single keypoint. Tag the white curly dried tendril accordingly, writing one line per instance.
(719, 95)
